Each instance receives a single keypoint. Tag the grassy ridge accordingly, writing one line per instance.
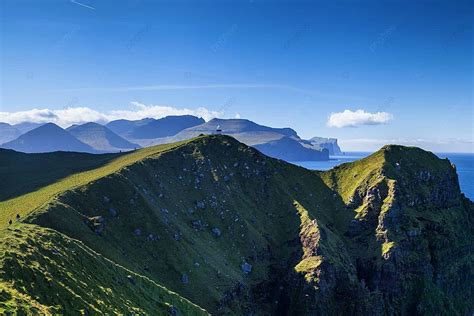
(23, 173)
(191, 216)
(247, 196)
(45, 272)
(348, 178)
(28, 202)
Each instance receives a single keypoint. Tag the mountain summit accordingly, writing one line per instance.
(238, 127)
(212, 225)
(281, 143)
(121, 135)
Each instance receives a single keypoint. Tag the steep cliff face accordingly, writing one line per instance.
(329, 143)
(415, 229)
(236, 232)
(289, 149)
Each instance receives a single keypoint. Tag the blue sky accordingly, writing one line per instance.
(277, 63)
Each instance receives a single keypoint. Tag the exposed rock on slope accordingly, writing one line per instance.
(237, 232)
(416, 229)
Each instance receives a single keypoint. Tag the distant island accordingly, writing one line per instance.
(126, 135)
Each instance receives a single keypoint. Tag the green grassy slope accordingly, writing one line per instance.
(348, 178)
(237, 232)
(23, 173)
(162, 196)
(44, 272)
(97, 167)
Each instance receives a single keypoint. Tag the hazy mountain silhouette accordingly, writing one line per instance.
(289, 149)
(100, 137)
(123, 135)
(25, 127)
(8, 133)
(149, 128)
(274, 142)
(164, 127)
(125, 127)
(46, 138)
(238, 126)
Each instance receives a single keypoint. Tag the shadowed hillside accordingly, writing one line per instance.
(22, 173)
(237, 232)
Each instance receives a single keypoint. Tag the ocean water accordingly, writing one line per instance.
(464, 166)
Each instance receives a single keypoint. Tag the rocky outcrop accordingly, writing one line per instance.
(327, 143)
(417, 228)
(388, 235)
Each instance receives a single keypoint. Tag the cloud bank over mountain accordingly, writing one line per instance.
(78, 115)
(349, 118)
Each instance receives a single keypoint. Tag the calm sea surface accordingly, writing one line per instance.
(464, 165)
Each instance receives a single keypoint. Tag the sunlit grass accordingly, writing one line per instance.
(25, 204)
(71, 278)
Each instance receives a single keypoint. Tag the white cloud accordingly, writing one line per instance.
(356, 118)
(77, 115)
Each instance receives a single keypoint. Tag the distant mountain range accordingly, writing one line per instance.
(100, 138)
(210, 226)
(27, 126)
(125, 135)
(8, 133)
(282, 143)
(46, 138)
(125, 127)
(151, 129)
